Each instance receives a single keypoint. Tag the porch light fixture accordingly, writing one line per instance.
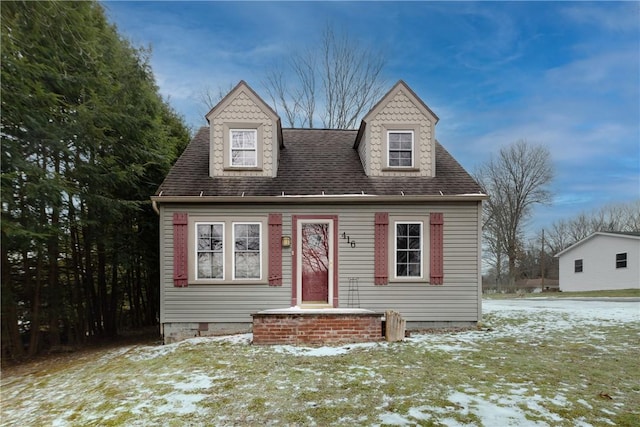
(286, 241)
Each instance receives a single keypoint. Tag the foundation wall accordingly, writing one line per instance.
(314, 328)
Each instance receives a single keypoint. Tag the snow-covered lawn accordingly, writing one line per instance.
(534, 362)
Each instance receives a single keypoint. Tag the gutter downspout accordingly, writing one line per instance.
(154, 204)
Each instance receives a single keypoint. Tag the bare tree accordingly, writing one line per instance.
(342, 77)
(495, 253)
(516, 180)
(631, 213)
(298, 103)
(618, 217)
(209, 97)
(558, 236)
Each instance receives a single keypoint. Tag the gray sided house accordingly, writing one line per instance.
(256, 217)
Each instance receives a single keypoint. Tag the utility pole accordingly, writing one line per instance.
(542, 262)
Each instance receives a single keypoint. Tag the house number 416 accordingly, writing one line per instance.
(351, 242)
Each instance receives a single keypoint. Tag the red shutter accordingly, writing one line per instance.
(180, 261)
(381, 249)
(275, 250)
(437, 258)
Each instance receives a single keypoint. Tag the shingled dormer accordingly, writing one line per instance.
(397, 137)
(245, 135)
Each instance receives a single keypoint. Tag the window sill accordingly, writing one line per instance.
(239, 282)
(420, 280)
(242, 168)
(400, 169)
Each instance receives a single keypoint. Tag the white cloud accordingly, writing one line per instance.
(491, 38)
(611, 16)
(601, 71)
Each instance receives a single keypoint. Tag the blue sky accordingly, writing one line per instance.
(562, 74)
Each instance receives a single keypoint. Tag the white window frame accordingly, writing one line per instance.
(197, 251)
(228, 246)
(254, 149)
(233, 251)
(413, 151)
(395, 250)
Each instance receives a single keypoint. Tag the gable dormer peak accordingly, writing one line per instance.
(241, 90)
(401, 88)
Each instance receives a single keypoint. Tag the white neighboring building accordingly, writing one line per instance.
(602, 261)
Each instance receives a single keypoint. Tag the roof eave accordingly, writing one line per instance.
(591, 236)
(319, 199)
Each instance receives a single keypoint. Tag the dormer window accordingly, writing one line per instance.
(244, 147)
(400, 143)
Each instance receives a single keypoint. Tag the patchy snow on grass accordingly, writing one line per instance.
(195, 381)
(531, 320)
(495, 410)
(324, 351)
(227, 381)
(241, 339)
(498, 410)
(394, 419)
(585, 403)
(151, 352)
(176, 404)
(591, 312)
(143, 353)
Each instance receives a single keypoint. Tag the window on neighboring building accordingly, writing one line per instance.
(408, 260)
(400, 145)
(244, 147)
(246, 251)
(577, 266)
(621, 260)
(210, 251)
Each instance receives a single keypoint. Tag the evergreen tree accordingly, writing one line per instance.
(86, 139)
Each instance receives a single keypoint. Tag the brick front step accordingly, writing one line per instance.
(316, 326)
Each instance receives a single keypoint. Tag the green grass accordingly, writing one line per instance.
(595, 294)
(525, 364)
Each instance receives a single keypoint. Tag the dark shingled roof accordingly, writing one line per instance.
(313, 161)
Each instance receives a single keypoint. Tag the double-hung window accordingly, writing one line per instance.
(400, 144)
(621, 260)
(246, 251)
(210, 250)
(244, 147)
(408, 249)
(228, 251)
(577, 266)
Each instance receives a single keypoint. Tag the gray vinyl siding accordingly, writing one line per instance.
(457, 300)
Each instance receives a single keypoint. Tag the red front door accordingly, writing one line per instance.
(315, 258)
